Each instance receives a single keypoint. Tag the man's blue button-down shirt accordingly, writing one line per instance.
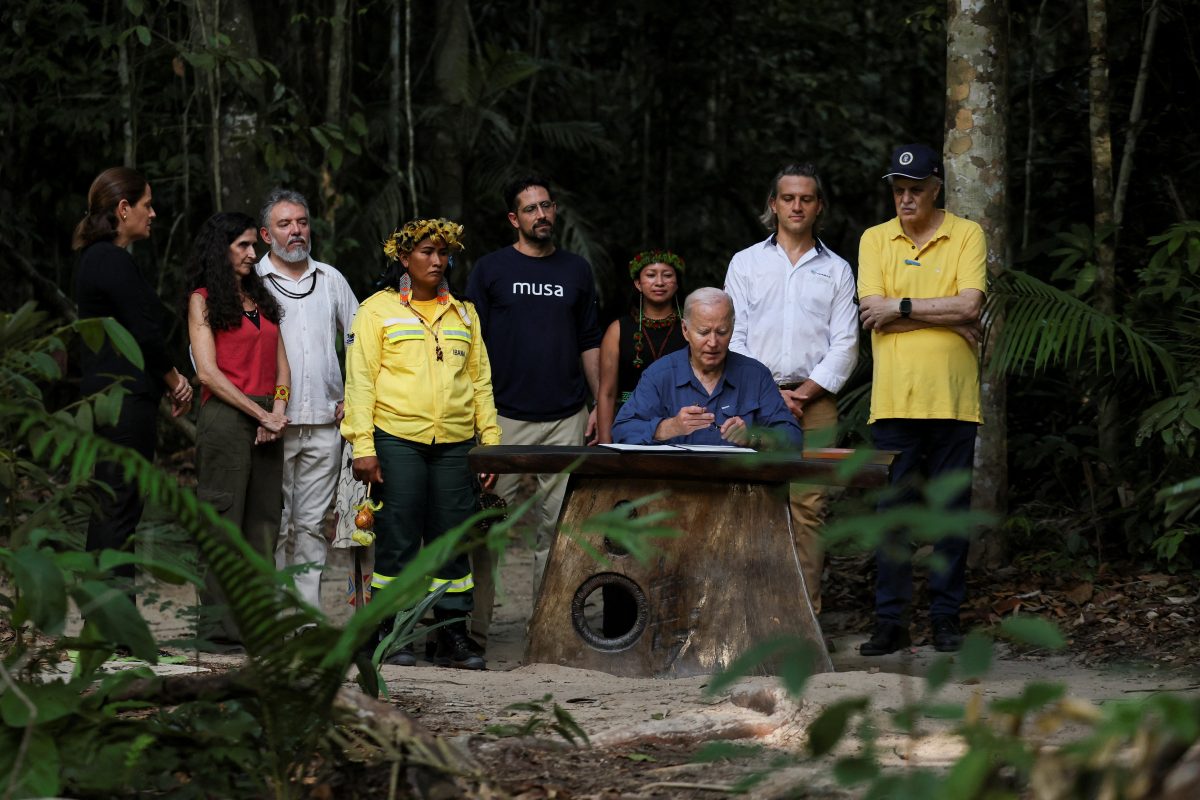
(745, 390)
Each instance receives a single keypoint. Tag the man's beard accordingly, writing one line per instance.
(290, 256)
(542, 232)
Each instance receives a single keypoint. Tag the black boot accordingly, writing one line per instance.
(455, 648)
(404, 657)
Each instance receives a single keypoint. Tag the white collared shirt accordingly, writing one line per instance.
(310, 329)
(799, 319)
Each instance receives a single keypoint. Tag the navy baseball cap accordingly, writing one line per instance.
(916, 161)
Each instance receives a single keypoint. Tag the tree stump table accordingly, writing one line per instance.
(730, 581)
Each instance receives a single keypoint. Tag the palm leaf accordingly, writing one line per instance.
(1044, 326)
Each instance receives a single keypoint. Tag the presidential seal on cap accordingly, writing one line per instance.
(916, 161)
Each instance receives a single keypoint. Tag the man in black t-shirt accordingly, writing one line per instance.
(537, 305)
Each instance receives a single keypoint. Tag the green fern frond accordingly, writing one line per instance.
(1044, 326)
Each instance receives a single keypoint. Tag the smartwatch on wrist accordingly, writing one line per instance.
(905, 307)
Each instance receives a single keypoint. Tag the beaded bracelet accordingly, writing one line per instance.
(283, 393)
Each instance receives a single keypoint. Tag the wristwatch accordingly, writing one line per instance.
(905, 307)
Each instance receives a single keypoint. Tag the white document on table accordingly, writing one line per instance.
(715, 448)
(650, 447)
(695, 448)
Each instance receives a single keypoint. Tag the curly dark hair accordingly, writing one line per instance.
(208, 267)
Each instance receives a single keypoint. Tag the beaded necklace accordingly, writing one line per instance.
(645, 325)
(286, 292)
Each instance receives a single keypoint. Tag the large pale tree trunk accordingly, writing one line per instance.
(235, 111)
(977, 189)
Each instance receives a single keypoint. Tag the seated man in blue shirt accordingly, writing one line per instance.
(704, 394)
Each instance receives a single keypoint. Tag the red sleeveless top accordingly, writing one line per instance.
(246, 354)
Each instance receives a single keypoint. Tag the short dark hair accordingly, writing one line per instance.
(804, 170)
(110, 187)
(521, 184)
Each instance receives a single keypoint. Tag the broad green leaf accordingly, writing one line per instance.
(724, 751)
(1033, 631)
(827, 730)
(938, 673)
(854, 770)
(45, 365)
(143, 34)
(123, 342)
(967, 776)
(42, 586)
(135, 7)
(200, 60)
(51, 700)
(945, 711)
(171, 572)
(975, 655)
(116, 618)
(1033, 696)
(37, 774)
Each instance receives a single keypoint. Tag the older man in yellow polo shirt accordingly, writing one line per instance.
(921, 283)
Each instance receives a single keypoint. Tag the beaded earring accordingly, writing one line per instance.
(443, 291)
(404, 288)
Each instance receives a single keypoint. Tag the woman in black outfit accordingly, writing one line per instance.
(109, 284)
(636, 340)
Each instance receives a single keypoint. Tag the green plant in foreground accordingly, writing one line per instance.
(554, 718)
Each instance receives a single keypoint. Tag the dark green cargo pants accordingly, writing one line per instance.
(244, 483)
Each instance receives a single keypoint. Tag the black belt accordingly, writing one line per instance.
(790, 386)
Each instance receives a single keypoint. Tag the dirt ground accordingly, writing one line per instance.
(646, 732)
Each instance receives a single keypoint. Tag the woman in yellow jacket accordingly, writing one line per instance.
(418, 392)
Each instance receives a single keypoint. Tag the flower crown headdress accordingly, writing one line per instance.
(407, 237)
(648, 257)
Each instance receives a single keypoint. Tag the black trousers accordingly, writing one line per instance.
(928, 447)
(116, 517)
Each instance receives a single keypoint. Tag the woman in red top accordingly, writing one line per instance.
(233, 322)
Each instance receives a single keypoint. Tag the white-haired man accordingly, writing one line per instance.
(921, 281)
(318, 306)
(705, 394)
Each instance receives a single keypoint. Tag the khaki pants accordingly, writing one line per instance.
(310, 474)
(560, 432)
(807, 504)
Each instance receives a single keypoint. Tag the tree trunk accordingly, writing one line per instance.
(453, 64)
(1102, 205)
(395, 92)
(126, 101)
(976, 188)
(335, 81)
(234, 111)
(408, 112)
(1135, 120)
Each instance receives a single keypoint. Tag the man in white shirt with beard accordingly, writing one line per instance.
(318, 306)
(794, 301)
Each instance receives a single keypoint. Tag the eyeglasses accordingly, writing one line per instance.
(545, 205)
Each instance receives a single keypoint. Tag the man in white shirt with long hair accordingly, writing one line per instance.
(795, 312)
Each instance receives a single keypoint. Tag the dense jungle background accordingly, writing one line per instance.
(661, 124)
(1070, 132)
